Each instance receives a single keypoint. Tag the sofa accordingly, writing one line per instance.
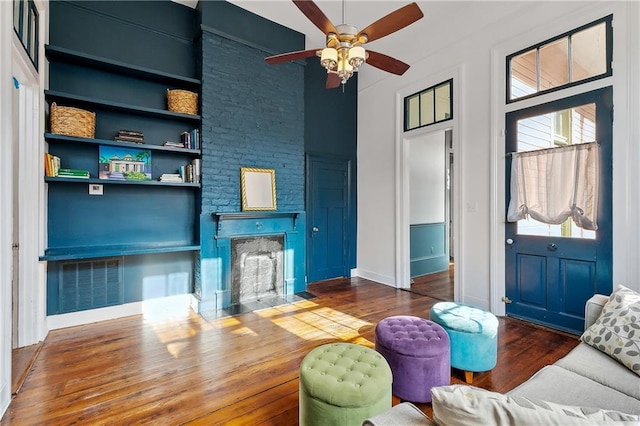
(598, 382)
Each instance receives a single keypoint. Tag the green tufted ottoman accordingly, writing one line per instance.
(342, 384)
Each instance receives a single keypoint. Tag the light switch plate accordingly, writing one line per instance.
(95, 189)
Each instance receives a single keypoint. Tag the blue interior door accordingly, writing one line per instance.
(551, 270)
(327, 218)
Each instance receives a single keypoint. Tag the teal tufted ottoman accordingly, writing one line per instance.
(343, 384)
(473, 333)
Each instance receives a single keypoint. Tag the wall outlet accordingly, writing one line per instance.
(95, 189)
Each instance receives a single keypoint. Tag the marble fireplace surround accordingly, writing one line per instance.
(214, 291)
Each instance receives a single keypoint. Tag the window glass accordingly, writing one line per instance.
(524, 77)
(570, 126)
(589, 53)
(429, 106)
(427, 113)
(554, 64)
(443, 101)
(581, 54)
(413, 112)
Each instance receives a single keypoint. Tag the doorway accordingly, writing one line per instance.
(430, 237)
(329, 206)
(551, 270)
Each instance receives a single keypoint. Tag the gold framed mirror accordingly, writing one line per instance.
(258, 188)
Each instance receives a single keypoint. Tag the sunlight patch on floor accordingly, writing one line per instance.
(323, 324)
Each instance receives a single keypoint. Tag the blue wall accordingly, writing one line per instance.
(428, 248)
(252, 116)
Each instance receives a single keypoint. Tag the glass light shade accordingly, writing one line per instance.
(356, 56)
(329, 58)
(345, 70)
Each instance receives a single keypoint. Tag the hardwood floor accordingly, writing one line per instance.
(438, 285)
(170, 367)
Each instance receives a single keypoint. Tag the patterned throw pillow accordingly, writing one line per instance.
(617, 331)
(463, 405)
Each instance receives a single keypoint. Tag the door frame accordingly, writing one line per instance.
(626, 130)
(349, 237)
(27, 131)
(602, 99)
(402, 152)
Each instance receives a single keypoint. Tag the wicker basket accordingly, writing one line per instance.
(182, 101)
(71, 121)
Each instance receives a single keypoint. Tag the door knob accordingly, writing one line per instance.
(314, 229)
(552, 247)
(509, 241)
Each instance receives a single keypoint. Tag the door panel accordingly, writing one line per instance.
(551, 270)
(327, 216)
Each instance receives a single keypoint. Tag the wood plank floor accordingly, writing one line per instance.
(170, 367)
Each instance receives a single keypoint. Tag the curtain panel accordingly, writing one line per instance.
(551, 185)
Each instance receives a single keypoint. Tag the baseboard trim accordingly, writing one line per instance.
(171, 305)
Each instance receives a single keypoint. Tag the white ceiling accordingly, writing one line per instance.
(410, 44)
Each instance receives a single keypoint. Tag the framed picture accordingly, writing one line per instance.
(118, 163)
(258, 189)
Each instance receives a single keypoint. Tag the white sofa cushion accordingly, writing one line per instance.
(600, 367)
(553, 383)
(617, 331)
(462, 405)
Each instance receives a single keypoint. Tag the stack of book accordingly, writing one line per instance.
(74, 173)
(51, 164)
(191, 140)
(171, 177)
(174, 144)
(130, 136)
(191, 172)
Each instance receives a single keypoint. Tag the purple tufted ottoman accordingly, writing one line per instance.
(418, 353)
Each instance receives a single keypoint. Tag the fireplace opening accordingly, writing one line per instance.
(257, 268)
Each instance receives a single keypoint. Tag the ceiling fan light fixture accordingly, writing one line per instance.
(345, 70)
(329, 58)
(356, 56)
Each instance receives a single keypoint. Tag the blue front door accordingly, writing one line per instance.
(328, 196)
(551, 270)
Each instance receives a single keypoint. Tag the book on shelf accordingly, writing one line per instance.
(51, 165)
(191, 139)
(130, 136)
(191, 172)
(74, 173)
(171, 177)
(174, 144)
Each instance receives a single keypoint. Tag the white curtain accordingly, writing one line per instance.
(551, 185)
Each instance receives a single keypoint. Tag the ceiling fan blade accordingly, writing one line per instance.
(386, 63)
(315, 15)
(333, 81)
(392, 22)
(291, 56)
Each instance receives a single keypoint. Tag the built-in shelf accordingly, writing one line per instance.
(53, 137)
(61, 54)
(75, 253)
(52, 179)
(90, 102)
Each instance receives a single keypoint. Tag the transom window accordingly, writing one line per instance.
(581, 55)
(25, 24)
(429, 106)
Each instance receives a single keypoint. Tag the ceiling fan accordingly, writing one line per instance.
(344, 51)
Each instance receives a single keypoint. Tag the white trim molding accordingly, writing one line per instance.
(6, 130)
(626, 131)
(402, 260)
